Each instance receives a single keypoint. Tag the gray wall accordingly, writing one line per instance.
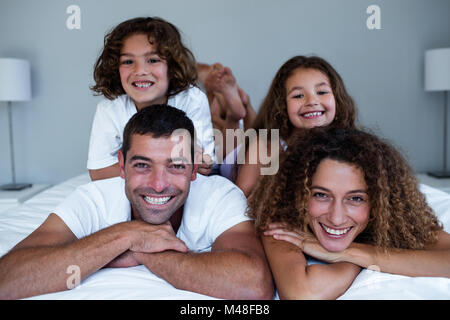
(382, 69)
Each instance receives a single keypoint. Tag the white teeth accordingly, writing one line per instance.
(334, 231)
(313, 114)
(159, 200)
(143, 84)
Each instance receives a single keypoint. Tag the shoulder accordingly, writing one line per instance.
(213, 189)
(189, 98)
(120, 106)
(103, 189)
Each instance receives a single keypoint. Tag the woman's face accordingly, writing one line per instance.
(309, 98)
(338, 207)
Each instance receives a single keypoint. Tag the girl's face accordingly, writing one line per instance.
(143, 73)
(338, 207)
(310, 99)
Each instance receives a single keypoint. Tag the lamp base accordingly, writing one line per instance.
(15, 186)
(439, 174)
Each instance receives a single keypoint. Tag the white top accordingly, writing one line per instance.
(213, 205)
(112, 116)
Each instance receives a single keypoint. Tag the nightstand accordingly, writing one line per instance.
(9, 199)
(441, 184)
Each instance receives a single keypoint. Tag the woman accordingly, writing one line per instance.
(348, 198)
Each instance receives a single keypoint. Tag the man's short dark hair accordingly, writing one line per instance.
(159, 120)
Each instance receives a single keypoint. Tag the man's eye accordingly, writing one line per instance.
(140, 165)
(179, 166)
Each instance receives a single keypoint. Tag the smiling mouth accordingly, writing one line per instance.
(142, 84)
(335, 232)
(157, 200)
(312, 115)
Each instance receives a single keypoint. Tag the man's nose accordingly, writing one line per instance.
(158, 180)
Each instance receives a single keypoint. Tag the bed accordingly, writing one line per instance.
(139, 283)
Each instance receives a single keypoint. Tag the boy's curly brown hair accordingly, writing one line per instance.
(273, 111)
(399, 214)
(181, 63)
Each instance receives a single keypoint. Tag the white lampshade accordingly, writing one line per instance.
(15, 81)
(437, 69)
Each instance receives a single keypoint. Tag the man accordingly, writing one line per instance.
(189, 230)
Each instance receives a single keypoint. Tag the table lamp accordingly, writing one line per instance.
(15, 85)
(437, 78)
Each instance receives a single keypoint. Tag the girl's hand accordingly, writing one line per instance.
(305, 241)
(203, 161)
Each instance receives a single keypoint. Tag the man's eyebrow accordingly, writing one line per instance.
(178, 159)
(142, 158)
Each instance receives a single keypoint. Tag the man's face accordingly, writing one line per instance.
(157, 179)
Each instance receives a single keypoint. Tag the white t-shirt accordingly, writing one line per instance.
(112, 116)
(213, 205)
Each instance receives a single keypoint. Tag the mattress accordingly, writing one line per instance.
(139, 283)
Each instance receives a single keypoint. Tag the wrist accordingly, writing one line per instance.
(360, 254)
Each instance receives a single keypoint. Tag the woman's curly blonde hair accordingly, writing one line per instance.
(181, 63)
(399, 214)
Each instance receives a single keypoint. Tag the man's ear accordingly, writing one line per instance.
(121, 164)
(194, 172)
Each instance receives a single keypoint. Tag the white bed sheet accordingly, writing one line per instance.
(139, 283)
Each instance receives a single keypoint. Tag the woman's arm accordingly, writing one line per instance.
(433, 261)
(294, 279)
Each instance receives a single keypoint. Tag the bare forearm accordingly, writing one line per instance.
(413, 263)
(32, 271)
(227, 275)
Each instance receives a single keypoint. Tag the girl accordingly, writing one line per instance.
(348, 198)
(306, 92)
(143, 62)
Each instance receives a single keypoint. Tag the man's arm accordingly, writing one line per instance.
(40, 263)
(236, 267)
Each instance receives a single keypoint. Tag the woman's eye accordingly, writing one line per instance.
(298, 96)
(319, 195)
(356, 199)
(153, 60)
(321, 93)
(126, 62)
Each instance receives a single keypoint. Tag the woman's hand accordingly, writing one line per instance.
(305, 241)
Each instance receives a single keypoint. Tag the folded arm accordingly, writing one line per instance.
(235, 268)
(46, 260)
(294, 279)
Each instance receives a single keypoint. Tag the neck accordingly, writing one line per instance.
(140, 106)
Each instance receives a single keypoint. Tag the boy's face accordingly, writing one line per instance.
(157, 173)
(143, 73)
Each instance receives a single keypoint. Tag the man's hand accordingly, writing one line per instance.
(150, 238)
